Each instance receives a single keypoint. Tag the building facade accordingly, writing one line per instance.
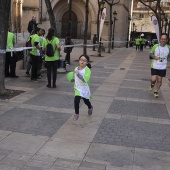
(141, 19)
(23, 10)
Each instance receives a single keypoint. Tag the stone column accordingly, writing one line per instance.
(15, 14)
(20, 2)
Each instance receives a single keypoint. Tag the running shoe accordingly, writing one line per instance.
(27, 73)
(151, 87)
(90, 111)
(75, 117)
(156, 95)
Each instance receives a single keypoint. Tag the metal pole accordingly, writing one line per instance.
(127, 35)
(110, 25)
(70, 10)
(113, 36)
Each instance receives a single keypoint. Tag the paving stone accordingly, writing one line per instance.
(91, 166)
(53, 100)
(39, 164)
(117, 156)
(67, 163)
(12, 162)
(137, 93)
(141, 109)
(60, 168)
(45, 158)
(25, 143)
(133, 71)
(21, 156)
(95, 80)
(32, 168)
(42, 122)
(151, 160)
(5, 151)
(65, 148)
(101, 74)
(5, 167)
(134, 134)
(143, 77)
(136, 84)
(119, 168)
(141, 67)
(103, 69)
(2, 156)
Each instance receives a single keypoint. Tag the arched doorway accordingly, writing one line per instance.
(65, 22)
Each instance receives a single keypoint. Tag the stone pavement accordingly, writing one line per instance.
(129, 128)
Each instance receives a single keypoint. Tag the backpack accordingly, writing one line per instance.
(28, 43)
(49, 50)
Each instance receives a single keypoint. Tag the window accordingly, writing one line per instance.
(141, 15)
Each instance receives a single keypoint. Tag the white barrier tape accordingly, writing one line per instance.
(15, 49)
(2, 51)
(62, 47)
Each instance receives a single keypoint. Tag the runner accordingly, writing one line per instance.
(81, 87)
(159, 54)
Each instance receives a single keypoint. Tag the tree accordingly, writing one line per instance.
(51, 15)
(4, 20)
(156, 7)
(86, 27)
(111, 3)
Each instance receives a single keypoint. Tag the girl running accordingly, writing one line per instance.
(81, 86)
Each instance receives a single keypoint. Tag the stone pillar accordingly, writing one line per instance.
(15, 14)
(20, 2)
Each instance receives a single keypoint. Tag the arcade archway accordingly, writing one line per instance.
(65, 22)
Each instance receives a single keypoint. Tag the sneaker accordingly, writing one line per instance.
(67, 67)
(14, 76)
(90, 111)
(48, 85)
(151, 87)
(27, 73)
(35, 80)
(156, 95)
(54, 86)
(75, 117)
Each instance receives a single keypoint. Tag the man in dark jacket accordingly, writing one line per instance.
(32, 25)
(68, 50)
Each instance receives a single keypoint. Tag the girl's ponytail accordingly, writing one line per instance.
(89, 65)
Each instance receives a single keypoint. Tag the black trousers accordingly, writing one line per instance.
(10, 65)
(34, 66)
(77, 103)
(137, 47)
(141, 47)
(94, 45)
(52, 68)
(67, 58)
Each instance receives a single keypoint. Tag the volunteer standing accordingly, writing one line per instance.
(51, 61)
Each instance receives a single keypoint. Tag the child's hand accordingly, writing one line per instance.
(157, 58)
(76, 72)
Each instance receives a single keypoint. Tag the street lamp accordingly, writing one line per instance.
(133, 32)
(129, 19)
(114, 19)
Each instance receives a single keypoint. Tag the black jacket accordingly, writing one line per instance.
(32, 25)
